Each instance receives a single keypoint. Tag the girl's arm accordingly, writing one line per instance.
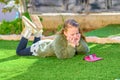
(62, 48)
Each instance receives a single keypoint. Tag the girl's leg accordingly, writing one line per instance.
(29, 26)
(21, 49)
(36, 39)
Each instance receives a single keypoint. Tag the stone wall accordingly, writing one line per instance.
(73, 6)
(77, 10)
(87, 22)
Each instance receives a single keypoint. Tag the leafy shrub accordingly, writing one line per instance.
(27, 15)
(12, 27)
(59, 27)
(15, 26)
(49, 32)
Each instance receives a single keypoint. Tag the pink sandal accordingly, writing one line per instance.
(92, 58)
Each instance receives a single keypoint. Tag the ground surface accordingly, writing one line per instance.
(94, 39)
(14, 67)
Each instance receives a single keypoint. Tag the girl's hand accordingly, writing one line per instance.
(74, 40)
(71, 41)
(77, 39)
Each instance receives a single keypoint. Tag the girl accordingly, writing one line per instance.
(67, 43)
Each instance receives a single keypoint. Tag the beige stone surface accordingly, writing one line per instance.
(88, 39)
(87, 22)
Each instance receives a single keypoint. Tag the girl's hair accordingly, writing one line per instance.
(73, 23)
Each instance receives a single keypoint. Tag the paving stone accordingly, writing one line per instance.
(93, 39)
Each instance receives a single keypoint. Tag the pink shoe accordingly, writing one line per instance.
(91, 58)
(96, 58)
(87, 58)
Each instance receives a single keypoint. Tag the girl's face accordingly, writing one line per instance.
(72, 32)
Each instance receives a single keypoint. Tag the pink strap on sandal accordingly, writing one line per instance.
(92, 58)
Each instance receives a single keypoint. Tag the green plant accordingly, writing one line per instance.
(48, 32)
(27, 15)
(12, 27)
(59, 27)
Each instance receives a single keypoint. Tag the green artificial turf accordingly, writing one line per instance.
(13, 67)
(107, 31)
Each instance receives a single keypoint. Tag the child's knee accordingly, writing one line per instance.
(18, 52)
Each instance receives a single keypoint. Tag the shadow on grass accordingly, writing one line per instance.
(9, 58)
(5, 44)
(10, 45)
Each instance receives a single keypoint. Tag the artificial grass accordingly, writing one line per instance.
(107, 31)
(13, 67)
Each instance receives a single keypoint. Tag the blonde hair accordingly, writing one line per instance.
(73, 23)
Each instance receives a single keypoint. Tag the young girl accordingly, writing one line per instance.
(67, 43)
